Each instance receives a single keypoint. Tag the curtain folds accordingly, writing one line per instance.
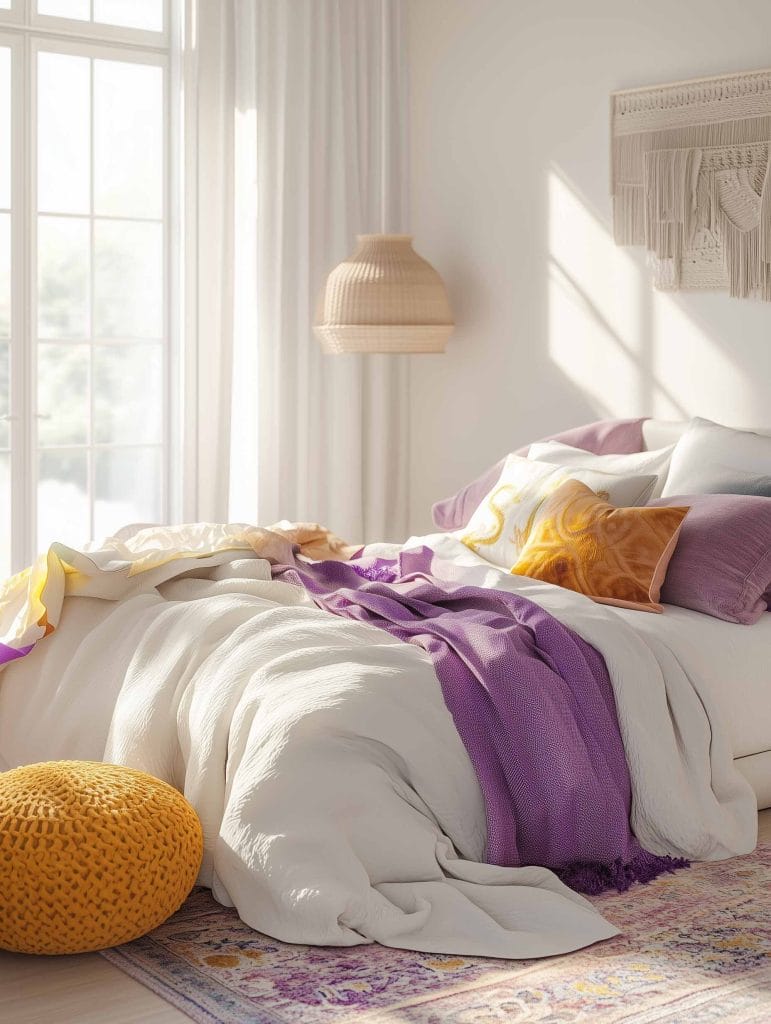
(311, 152)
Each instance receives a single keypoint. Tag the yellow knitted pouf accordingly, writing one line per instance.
(91, 855)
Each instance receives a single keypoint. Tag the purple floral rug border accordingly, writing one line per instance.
(695, 948)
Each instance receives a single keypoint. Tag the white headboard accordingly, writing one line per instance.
(660, 433)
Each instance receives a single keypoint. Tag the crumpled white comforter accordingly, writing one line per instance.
(338, 803)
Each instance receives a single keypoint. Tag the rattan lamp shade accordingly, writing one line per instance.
(384, 298)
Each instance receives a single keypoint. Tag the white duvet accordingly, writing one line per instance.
(338, 803)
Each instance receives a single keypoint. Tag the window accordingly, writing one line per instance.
(86, 251)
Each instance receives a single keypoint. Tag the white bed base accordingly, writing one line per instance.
(756, 768)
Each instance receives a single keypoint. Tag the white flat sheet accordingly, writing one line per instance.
(732, 662)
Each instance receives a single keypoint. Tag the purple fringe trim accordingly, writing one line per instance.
(593, 879)
(378, 572)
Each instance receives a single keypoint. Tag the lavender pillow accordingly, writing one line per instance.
(722, 562)
(604, 437)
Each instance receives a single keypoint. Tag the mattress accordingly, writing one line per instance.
(741, 688)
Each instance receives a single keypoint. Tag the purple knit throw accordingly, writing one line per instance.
(532, 703)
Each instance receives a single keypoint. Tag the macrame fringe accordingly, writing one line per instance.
(708, 213)
(628, 154)
(592, 879)
(747, 250)
(749, 273)
(690, 165)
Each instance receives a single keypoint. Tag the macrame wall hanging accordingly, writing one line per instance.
(690, 181)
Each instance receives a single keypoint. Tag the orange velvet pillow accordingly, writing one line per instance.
(613, 555)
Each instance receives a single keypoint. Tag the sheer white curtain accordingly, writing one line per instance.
(301, 129)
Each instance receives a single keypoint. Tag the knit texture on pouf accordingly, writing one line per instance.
(91, 855)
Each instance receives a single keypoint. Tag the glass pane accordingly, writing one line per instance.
(128, 280)
(5, 127)
(128, 126)
(5, 5)
(5, 275)
(79, 9)
(5, 395)
(62, 394)
(64, 133)
(5, 516)
(128, 394)
(128, 489)
(63, 267)
(147, 14)
(62, 499)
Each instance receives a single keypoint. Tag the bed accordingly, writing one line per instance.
(340, 805)
(744, 657)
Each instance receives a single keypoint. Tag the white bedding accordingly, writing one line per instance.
(338, 803)
(730, 662)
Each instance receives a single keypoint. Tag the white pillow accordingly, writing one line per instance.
(713, 459)
(655, 463)
(503, 519)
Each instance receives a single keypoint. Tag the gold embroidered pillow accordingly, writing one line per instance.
(502, 521)
(613, 555)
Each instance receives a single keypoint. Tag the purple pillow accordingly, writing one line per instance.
(604, 437)
(722, 562)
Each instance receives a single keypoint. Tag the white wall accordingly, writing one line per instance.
(555, 325)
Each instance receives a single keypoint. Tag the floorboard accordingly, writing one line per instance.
(76, 990)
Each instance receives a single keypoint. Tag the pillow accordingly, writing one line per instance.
(599, 437)
(500, 525)
(656, 462)
(614, 555)
(722, 564)
(712, 459)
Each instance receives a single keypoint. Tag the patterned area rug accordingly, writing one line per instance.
(695, 949)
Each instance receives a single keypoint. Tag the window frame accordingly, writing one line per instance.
(15, 14)
(18, 422)
(22, 32)
(25, 11)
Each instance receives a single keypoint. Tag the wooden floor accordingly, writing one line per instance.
(89, 990)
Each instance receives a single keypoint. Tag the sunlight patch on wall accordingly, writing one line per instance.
(630, 349)
(595, 306)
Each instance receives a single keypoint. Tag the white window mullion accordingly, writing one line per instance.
(185, 55)
(55, 24)
(21, 477)
(169, 492)
(91, 459)
(17, 13)
(27, 485)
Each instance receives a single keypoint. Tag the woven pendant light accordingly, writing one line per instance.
(384, 298)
